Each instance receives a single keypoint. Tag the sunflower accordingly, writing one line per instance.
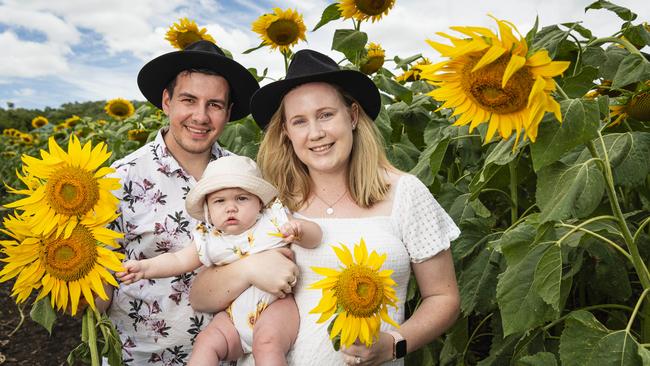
(374, 59)
(59, 127)
(139, 135)
(11, 132)
(26, 138)
(359, 295)
(186, 32)
(494, 80)
(73, 189)
(119, 108)
(39, 121)
(63, 268)
(365, 9)
(280, 29)
(415, 72)
(72, 121)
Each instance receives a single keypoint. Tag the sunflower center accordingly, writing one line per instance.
(283, 31)
(72, 258)
(72, 191)
(372, 7)
(121, 110)
(484, 85)
(360, 291)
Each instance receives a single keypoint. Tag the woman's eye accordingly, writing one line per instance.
(326, 115)
(242, 198)
(297, 122)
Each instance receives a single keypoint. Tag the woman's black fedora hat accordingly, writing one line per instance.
(159, 72)
(311, 66)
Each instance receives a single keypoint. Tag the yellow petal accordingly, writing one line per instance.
(515, 63)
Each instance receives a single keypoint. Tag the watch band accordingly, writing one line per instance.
(397, 338)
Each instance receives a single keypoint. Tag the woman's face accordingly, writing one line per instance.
(319, 125)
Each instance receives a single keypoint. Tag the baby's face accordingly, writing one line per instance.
(233, 210)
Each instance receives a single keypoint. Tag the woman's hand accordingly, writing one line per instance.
(273, 271)
(378, 353)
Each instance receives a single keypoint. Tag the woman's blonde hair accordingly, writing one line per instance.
(367, 179)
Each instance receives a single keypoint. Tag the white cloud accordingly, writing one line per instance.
(54, 28)
(30, 59)
(24, 92)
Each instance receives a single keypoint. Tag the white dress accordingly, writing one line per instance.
(416, 230)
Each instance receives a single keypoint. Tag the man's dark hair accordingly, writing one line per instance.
(172, 84)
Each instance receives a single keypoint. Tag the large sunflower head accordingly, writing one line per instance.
(119, 108)
(359, 295)
(39, 121)
(365, 9)
(186, 32)
(73, 188)
(139, 135)
(63, 268)
(495, 80)
(281, 29)
(414, 72)
(374, 59)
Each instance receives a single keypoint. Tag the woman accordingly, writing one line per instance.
(324, 154)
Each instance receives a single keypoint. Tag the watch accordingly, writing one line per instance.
(399, 345)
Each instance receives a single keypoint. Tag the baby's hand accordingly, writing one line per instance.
(134, 272)
(291, 231)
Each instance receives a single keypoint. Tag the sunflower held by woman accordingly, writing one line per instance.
(495, 80)
(73, 188)
(281, 29)
(186, 32)
(359, 294)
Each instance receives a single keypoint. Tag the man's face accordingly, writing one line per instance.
(198, 111)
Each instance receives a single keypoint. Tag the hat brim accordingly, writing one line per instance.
(266, 100)
(159, 72)
(257, 186)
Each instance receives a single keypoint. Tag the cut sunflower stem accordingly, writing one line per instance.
(91, 325)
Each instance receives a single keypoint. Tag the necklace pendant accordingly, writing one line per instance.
(329, 211)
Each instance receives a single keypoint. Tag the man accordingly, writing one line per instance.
(200, 90)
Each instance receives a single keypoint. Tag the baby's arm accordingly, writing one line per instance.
(164, 265)
(305, 233)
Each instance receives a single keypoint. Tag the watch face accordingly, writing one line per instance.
(400, 349)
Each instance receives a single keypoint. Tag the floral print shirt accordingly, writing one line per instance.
(156, 324)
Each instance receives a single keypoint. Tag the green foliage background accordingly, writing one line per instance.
(552, 259)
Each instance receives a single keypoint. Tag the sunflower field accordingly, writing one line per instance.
(536, 143)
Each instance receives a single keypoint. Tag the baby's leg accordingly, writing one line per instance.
(275, 331)
(218, 341)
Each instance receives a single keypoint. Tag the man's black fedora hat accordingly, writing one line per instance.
(311, 66)
(159, 72)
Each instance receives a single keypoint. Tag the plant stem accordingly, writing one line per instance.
(286, 62)
(625, 43)
(478, 327)
(91, 325)
(586, 222)
(512, 167)
(21, 311)
(636, 310)
(587, 308)
(611, 243)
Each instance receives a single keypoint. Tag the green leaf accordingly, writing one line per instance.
(628, 156)
(404, 62)
(330, 13)
(578, 85)
(254, 48)
(623, 13)
(43, 314)
(633, 68)
(394, 88)
(257, 77)
(638, 35)
(430, 161)
(614, 56)
(403, 154)
(501, 153)
(538, 359)
(533, 31)
(581, 120)
(474, 233)
(586, 33)
(480, 180)
(455, 340)
(585, 341)
(515, 241)
(349, 42)
(565, 191)
(477, 283)
(610, 278)
(549, 38)
(548, 276)
(521, 307)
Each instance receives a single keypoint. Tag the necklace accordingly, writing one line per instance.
(330, 207)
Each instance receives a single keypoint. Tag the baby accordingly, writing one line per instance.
(231, 197)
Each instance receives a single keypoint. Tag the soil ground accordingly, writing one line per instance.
(31, 345)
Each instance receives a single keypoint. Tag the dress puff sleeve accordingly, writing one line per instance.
(425, 227)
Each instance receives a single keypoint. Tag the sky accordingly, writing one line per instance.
(63, 51)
